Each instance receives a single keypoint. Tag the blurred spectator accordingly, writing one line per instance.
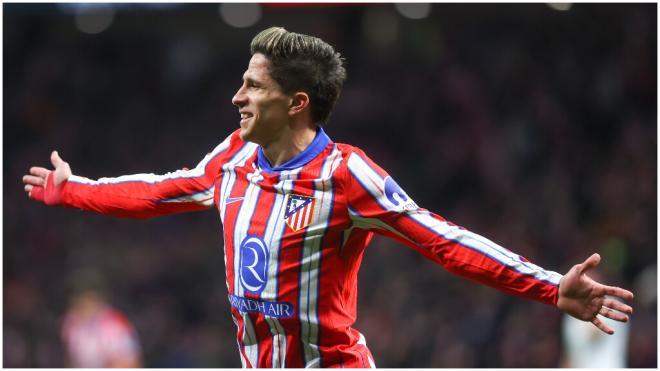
(95, 334)
(644, 337)
(584, 348)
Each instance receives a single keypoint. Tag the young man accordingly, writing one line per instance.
(298, 211)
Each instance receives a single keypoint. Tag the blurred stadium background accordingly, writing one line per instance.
(532, 124)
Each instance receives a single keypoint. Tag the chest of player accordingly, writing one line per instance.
(275, 226)
(274, 205)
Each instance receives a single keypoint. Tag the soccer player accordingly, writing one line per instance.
(298, 210)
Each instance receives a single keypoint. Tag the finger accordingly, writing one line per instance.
(617, 291)
(612, 314)
(590, 263)
(34, 180)
(603, 327)
(617, 305)
(28, 188)
(39, 171)
(55, 159)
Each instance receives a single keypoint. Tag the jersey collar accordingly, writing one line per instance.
(321, 140)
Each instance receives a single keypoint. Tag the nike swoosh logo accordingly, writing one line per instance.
(230, 200)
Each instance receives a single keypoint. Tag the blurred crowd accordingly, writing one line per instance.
(534, 127)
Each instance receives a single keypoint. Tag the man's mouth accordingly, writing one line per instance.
(245, 116)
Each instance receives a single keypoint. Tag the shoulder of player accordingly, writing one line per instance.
(348, 151)
(356, 160)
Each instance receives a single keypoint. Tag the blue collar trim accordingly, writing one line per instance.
(321, 140)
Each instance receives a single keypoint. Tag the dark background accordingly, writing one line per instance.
(534, 127)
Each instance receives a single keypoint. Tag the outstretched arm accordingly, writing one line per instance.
(583, 298)
(136, 195)
(129, 196)
(377, 203)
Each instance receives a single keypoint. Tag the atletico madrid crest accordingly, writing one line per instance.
(299, 211)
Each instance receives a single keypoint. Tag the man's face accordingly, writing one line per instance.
(264, 108)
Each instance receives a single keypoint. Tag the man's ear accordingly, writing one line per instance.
(299, 101)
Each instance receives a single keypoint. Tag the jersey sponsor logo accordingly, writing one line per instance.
(397, 196)
(270, 308)
(299, 211)
(254, 264)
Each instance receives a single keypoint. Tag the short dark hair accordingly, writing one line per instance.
(303, 63)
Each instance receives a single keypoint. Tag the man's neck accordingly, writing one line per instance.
(289, 145)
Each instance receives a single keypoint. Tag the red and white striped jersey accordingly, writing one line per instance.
(294, 237)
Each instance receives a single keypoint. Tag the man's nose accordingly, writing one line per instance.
(239, 98)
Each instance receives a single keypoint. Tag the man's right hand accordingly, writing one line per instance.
(47, 185)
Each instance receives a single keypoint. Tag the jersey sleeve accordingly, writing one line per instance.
(376, 202)
(149, 195)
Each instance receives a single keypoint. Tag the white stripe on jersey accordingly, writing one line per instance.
(250, 341)
(204, 197)
(279, 342)
(369, 179)
(310, 264)
(153, 178)
(363, 341)
(366, 176)
(362, 222)
(275, 229)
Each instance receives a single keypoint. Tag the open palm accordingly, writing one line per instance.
(585, 299)
(46, 185)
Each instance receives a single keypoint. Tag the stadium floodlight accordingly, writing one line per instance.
(414, 10)
(94, 19)
(562, 7)
(240, 15)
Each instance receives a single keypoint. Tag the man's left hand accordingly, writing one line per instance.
(583, 298)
